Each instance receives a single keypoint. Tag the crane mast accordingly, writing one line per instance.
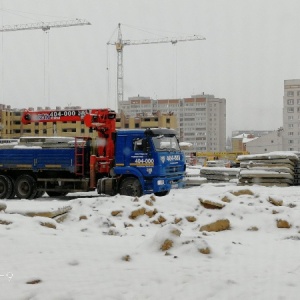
(120, 43)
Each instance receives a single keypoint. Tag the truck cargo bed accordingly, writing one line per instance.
(38, 159)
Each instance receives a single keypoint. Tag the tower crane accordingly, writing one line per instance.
(120, 43)
(45, 26)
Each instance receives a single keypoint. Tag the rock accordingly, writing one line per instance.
(242, 192)
(204, 250)
(82, 217)
(219, 225)
(149, 202)
(151, 213)
(209, 204)
(152, 197)
(138, 212)
(4, 222)
(126, 258)
(2, 206)
(116, 212)
(167, 244)
(48, 224)
(61, 218)
(191, 219)
(226, 199)
(252, 228)
(283, 224)
(176, 232)
(177, 220)
(160, 220)
(275, 202)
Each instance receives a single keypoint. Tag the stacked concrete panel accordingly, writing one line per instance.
(274, 168)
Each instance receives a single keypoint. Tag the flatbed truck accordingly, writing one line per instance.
(130, 162)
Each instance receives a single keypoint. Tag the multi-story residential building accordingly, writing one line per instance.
(12, 128)
(201, 119)
(291, 115)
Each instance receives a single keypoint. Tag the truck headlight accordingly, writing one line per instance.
(160, 182)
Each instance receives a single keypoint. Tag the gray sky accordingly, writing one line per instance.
(251, 47)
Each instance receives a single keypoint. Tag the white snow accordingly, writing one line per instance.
(94, 255)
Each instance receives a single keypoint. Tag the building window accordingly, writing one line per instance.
(291, 125)
(298, 101)
(290, 101)
(290, 93)
(136, 125)
(298, 93)
(291, 133)
(290, 109)
(291, 141)
(44, 131)
(290, 117)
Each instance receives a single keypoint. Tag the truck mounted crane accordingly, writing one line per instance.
(130, 162)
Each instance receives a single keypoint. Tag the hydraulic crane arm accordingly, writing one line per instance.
(101, 120)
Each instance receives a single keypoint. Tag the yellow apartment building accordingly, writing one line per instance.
(11, 126)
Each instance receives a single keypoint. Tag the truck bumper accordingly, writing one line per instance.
(166, 184)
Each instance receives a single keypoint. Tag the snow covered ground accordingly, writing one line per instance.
(123, 248)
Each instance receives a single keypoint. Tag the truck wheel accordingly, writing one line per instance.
(161, 194)
(131, 186)
(25, 187)
(6, 187)
(12, 192)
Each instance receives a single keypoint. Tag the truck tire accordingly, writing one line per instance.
(131, 186)
(12, 193)
(6, 187)
(25, 187)
(161, 194)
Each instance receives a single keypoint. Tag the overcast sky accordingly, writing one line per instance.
(251, 47)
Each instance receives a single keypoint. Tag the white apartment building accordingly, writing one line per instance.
(201, 118)
(291, 115)
(267, 143)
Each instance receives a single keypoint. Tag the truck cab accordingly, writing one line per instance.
(146, 161)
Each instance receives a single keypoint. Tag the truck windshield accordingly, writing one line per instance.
(165, 143)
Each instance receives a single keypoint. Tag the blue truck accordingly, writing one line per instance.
(129, 162)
